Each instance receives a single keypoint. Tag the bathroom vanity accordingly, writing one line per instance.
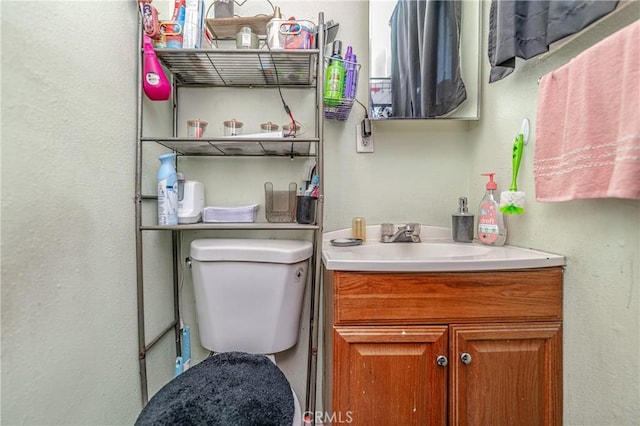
(466, 346)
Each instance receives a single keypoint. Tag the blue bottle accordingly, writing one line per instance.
(186, 348)
(178, 369)
(167, 191)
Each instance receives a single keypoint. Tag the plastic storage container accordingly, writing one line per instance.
(280, 206)
(214, 214)
(306, 209)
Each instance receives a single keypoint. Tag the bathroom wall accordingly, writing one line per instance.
(69, 341)
(600, 239)
(69, 345)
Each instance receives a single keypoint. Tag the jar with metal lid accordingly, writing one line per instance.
(246, 38)
(289, 130)
(196, 128)
(232, 127)
(269, 127)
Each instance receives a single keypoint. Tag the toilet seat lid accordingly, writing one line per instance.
(250, 250)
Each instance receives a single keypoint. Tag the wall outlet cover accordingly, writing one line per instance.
(363, 144)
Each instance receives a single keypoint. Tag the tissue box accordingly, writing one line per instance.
(230, 214)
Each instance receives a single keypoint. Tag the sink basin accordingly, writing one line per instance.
(436, 252)
(413, 251)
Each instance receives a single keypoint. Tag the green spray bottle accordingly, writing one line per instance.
(334, 81)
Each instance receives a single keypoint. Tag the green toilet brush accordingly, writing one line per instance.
(512, 201)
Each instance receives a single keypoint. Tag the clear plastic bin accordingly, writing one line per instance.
(280, 206)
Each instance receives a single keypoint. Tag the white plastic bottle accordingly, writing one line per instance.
(275, 38)
(167, 191)
(491, 227)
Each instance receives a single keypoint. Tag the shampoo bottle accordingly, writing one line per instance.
(154, 82)
(491, 227)
(334, 83)
(167, 191)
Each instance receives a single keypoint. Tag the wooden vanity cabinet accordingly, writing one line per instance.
(467, 348)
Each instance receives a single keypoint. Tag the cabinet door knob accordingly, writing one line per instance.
(442, 361)
(465, 358)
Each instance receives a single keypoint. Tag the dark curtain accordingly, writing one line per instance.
(525, 28)
(425, 59)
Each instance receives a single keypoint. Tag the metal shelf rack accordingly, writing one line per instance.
(241, 68)
(239, 146)
(252, 68)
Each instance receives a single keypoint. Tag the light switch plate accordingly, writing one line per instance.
(363, 144)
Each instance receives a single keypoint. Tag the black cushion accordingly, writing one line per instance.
(231, 388)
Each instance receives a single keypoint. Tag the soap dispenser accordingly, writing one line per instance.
(491, 226)
(462, 223)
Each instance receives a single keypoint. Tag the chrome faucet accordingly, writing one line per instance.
(409, 233)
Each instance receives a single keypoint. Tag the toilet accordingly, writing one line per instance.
(249, 295)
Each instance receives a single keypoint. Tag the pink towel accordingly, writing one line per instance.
(588, 123)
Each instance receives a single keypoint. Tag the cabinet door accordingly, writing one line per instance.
(506, 374)
(390, 375)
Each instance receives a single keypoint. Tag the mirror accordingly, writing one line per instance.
(403, 82)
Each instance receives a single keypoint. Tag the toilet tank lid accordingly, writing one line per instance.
(250, 250)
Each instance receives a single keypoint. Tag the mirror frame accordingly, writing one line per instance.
(470, 60)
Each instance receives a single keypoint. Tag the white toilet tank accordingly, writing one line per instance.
(249, 292)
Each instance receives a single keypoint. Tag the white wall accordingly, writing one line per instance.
(69, 342)
(69, 351)
(600, 239)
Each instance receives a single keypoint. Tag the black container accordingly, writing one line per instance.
(306, 209)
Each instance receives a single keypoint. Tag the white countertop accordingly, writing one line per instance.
(436, 252)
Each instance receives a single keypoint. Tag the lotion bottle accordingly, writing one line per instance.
(491, 226)
(167, 191)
